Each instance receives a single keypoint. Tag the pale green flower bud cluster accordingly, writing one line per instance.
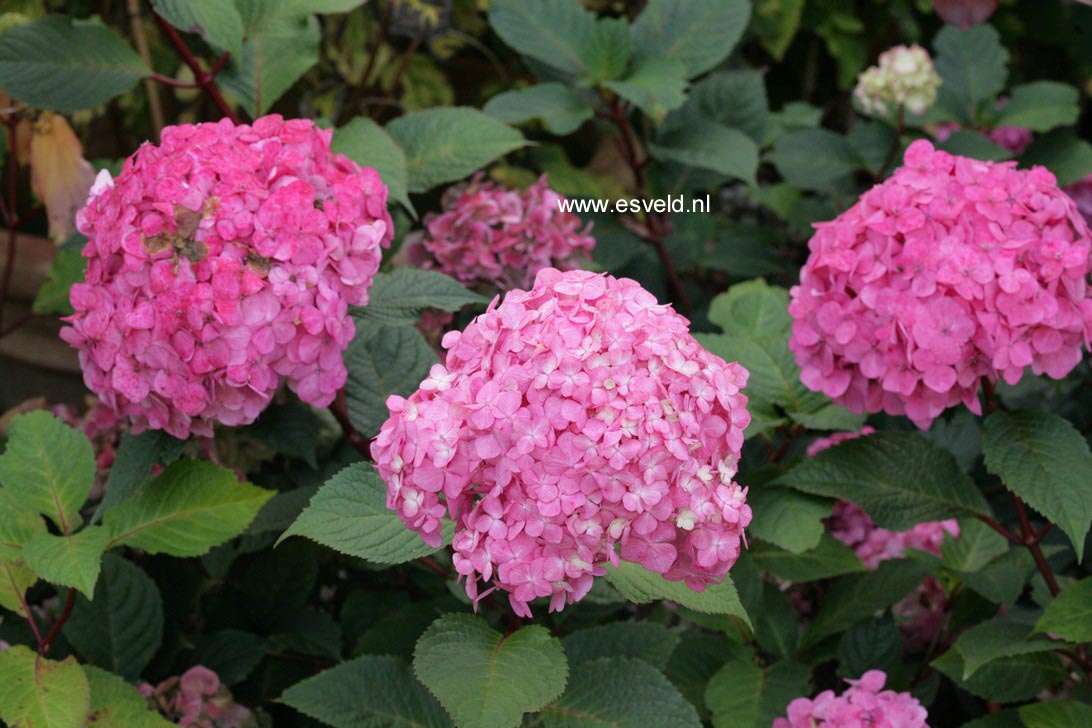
(904, 77)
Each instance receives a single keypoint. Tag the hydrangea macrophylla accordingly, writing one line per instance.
(904, 78)
(567, 419)
(199, 700)
(221, 264)
(494, 237)
(923, 612)
(864, 703)
(951, 271)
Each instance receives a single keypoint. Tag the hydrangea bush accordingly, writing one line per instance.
(562, 363)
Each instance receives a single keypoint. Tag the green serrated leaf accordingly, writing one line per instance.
(609, 49)
(15, 578)
(735, 99)
(712, 146)
(698, 33)
(217, 21)
(17, 526)
(656, 86)
(48, 467)
(1056, 714)
(814, 159)
(1008, 679)
(787, 518)
(369, 692)
(641, 586)
(830, 558)
(73, 561)
(67, 268)
(349, 514)
(646, 641)
(122, 626)
(398, 298)
(619, 692)
(875, 644)
(133, 463)
(1043, 459)
(1063, 153)
(989, 641)
(1069, 615)
(977, 545)
(1041, 106)
(486, 679)
(748, 696)
(561, 109)
(859, 596)
(446, 144)
(117, 704)
(61, 64)
(898, 478)
(554, 32)
(185, 511)
(383, 360)
(40, 693)
(973, 65)
(367, 144)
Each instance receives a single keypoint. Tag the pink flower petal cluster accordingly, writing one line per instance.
(221, 264)
(864, 705)
(568, 419)
(197, 699)
(923, 612)
(495, 237)
(950, 272)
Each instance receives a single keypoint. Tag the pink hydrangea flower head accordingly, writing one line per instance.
(865, 704)
(495, 237)
(951, 271)
(568, 419)
(904, 77)
(221, 265)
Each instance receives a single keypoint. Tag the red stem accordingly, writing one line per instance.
(69, 603)
(1031, 539)
(204, 79)
(340, 410)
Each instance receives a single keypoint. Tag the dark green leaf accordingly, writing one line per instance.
(830, 558)
(367, 144)
(383, 360)
(555, 32)
(561, 109)
(399, 297)
(746, 695)
(646, 641)
(217, 21)
(698, 33)
(1069, 615)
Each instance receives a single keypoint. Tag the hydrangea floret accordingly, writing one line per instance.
(903, 78)
(950, 272)
(923, 612)
(864, 703)
(493, 237)
(198, 699)
(568, 420)
(220, 265)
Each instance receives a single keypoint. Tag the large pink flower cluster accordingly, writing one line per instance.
(570, 418)
(864, 704)
(221, 264)
(923, 612)
(501, 238)
(950, 272)
(198, 699)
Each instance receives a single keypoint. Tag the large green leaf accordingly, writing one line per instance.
(1043, 459)
(746, 695)
(1069, 615)
(486, 679)
(136, 455)
(15, 578)
(1056, 714)
(874, 644)
(67, 268)
(898, 478)
(989, 641)
(217, 21)
(372, 691)
(349, 514)
(1041, 106)
(72, 561)
(17, 526)
(561, 109)
(736, 99)
(814, 159)
(47, 467)
(699, 33)
(787, 518)
(1062, 152)
(1008, 679)
(399, 297)
(619, 692)
(973, 65)
(447, 144)
(829, 558)
(62, 64)
(609, 49)
(189, 508)
(383, 360)
(367, 144)
(40, 693)
(858, 596)
(646, 641)
(555, 32)
(122, 626)
(977, 545)
(639, 585)
(117, 704)
(710, 145)
(655, 86)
